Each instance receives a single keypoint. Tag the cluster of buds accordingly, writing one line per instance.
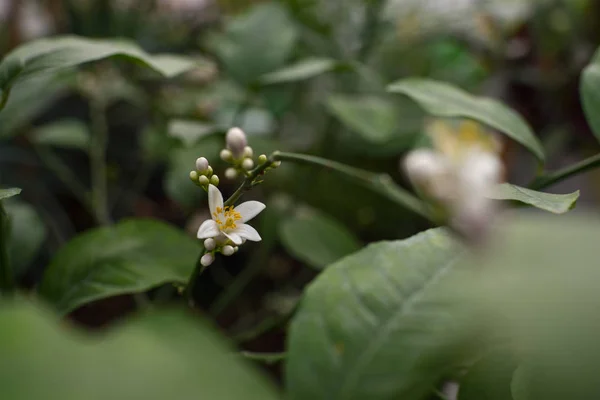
(203, 175)
(457, 175)
(238, 154)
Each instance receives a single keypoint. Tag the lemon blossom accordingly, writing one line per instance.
(228, 222)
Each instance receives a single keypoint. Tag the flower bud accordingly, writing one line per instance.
(248, 152)
(202, 164)
(209, 171)
(226, 155)
(227, 250)
(424, 165)
(203, 180)
(248, 164)
(214, 180)
(276, 164)
(236, 142)
(194, 176)
(236, 248)
(207, 259)
(210, 244)
(262, 159)
(231, 173)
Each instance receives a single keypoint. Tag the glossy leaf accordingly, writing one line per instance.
(374, 118)
(27, 234)
(590, 94)
(381, 323)
(7, 193)
(302, 70)
(66, 134)
(554, 203)
(318, 240)
(161, 355)
(443, 100)
(133, 256)
(257, 42)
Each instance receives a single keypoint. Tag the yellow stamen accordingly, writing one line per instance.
(231, 217)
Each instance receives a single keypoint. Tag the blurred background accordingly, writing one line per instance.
(528, 53)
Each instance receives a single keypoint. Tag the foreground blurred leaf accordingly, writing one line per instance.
(162, 355)
(257, 42)
(133, 256)
(489, 378)
(590, 94)
(318, 240)
(443, 100)
(7, 193)
(46, 56)
(375, 119)
(304, 69)
(554, 203)
(380, 323)
(66, 134)
(27, 235)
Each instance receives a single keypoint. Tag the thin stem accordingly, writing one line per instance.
(577, 168)
(7, 280)
(188, 293)
(380, 183)
(267, 358)
(98, 148)
(250, 181)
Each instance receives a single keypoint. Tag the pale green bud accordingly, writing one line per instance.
(194, 176)
(203, 180)
(248, 164)
(209, 171)
(214, 180)
(248, 152)
(226, 155)
(262, 159)
(231, 173)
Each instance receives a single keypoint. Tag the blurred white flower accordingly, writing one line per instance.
(229, 222)
(236, 142)
(457, 174)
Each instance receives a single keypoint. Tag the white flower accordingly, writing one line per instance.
(228, 221)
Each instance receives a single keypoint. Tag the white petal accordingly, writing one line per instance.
(250, 209)
(247, 232)
(208, 229)
(234, 237)
(215, 199)
(422, 166)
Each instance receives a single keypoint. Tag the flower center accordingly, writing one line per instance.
(226, 218)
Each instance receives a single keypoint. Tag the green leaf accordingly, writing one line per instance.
(67, 133)
(133, 256)
(317, 240)
(257, 42)
(46, 56)
(189, 132)
(590, 94)
(374, 118)
(554, 203)
(302, 70)
(27, 235)
(161, 355)
(7, 193)
(443, 100)
(381, 323)
(489, 378)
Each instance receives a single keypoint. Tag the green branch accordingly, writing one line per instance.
(575, 169)
(7, 280)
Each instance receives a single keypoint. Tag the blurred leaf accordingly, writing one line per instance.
(443, 100)
(46, 56)
(181, 162)
(375, 119)
(489, 378)
(317, 239)
(380, 324)
(253, 121)
(67, 133)
(133, 256)
(7, 193)
(304, 69)
(26, 103)
(161, 355)
(554, 203)
(590, 94)
(189, 132)
(27, 235)
(257, 42)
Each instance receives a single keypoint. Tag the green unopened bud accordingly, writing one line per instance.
(203, 180)
(248, 164)
(276, 164)
(209, 171)
(248, 152)
(194, 176)
(226, 155)
(262, 159)
(214, 180)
